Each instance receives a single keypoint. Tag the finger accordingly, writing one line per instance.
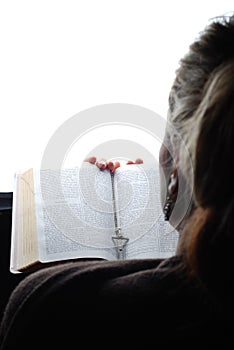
(91, 160)
(138, 161)
(116, 165)
(101, 164)
(110, 166)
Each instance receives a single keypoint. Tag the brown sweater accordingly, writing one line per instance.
(105, 304)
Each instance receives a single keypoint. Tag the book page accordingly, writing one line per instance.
(24, 249)
(140, 215)
(74, 213)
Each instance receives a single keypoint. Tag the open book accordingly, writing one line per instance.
(84, 212)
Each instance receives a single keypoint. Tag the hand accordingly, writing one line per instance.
(112, 166)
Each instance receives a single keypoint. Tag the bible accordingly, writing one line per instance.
(85, 212)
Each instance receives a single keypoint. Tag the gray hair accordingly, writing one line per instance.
(213, 48)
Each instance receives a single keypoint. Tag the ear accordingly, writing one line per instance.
(173, 183)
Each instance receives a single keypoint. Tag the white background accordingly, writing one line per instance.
(58, 58)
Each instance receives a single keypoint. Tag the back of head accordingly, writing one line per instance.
(211, 243)
(202, 110)
(214, 140)
(213, 48)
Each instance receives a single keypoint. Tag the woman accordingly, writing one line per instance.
(185, 300)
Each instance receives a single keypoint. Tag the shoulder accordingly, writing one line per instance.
(88, 275)
(76, 298)
(99, 283)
